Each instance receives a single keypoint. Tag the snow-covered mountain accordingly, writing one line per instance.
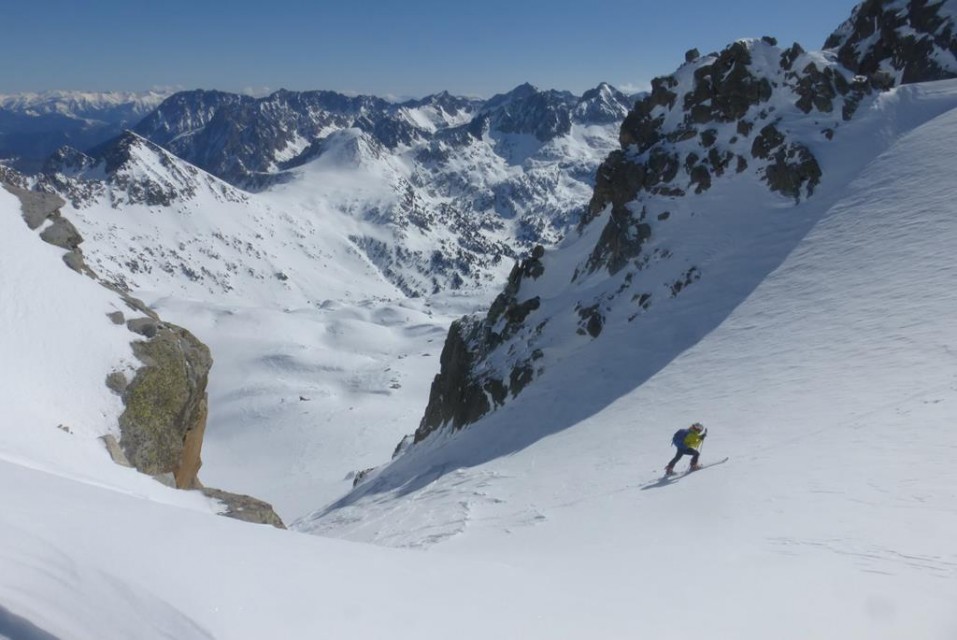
(319, 360)
(831, 387)
(445, 192)
(34, 125)
(246, 140)
(766, 246)
(768, 253)
(912, 41)
(756, 123)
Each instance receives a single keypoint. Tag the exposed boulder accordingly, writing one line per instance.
(640, 128)
(245, 508)
(793, 171)
(43, 210)
(767, 141)
(725, 89)
(115, 450)
(591, 321)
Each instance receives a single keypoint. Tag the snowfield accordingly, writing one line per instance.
(820, 350)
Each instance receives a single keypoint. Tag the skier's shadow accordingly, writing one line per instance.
(661, 482)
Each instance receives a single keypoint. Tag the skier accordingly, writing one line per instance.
(688, 442)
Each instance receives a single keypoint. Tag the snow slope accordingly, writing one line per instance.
(831, 385)
(92, 550)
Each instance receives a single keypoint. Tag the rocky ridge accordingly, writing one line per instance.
(754, 111)
(161, 429)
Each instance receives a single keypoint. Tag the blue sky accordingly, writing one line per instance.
(409, 48)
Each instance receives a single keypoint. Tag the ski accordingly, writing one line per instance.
(705, 466)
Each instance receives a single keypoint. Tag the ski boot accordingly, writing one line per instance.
(694, 467)
(669, 471)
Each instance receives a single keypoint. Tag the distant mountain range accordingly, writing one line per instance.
(34, 125)
(448, 190)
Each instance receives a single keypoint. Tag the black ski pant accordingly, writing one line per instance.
(686, 451)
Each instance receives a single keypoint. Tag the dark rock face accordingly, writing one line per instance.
(456, 397)
(185, 112)
(726, 89)
(543, 114)
(905, 38)
(460, 392)
(794, 172)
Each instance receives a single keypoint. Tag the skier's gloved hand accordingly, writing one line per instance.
(704, 435)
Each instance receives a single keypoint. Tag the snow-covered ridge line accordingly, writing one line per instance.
(202, 126)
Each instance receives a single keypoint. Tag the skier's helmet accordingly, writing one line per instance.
(697, 426)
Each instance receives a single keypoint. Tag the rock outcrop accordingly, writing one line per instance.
(245, 508)
(913, 40)
(460, 392)
(165, 418)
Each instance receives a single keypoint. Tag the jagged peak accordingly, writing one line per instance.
(521, 92)
(117, 152)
